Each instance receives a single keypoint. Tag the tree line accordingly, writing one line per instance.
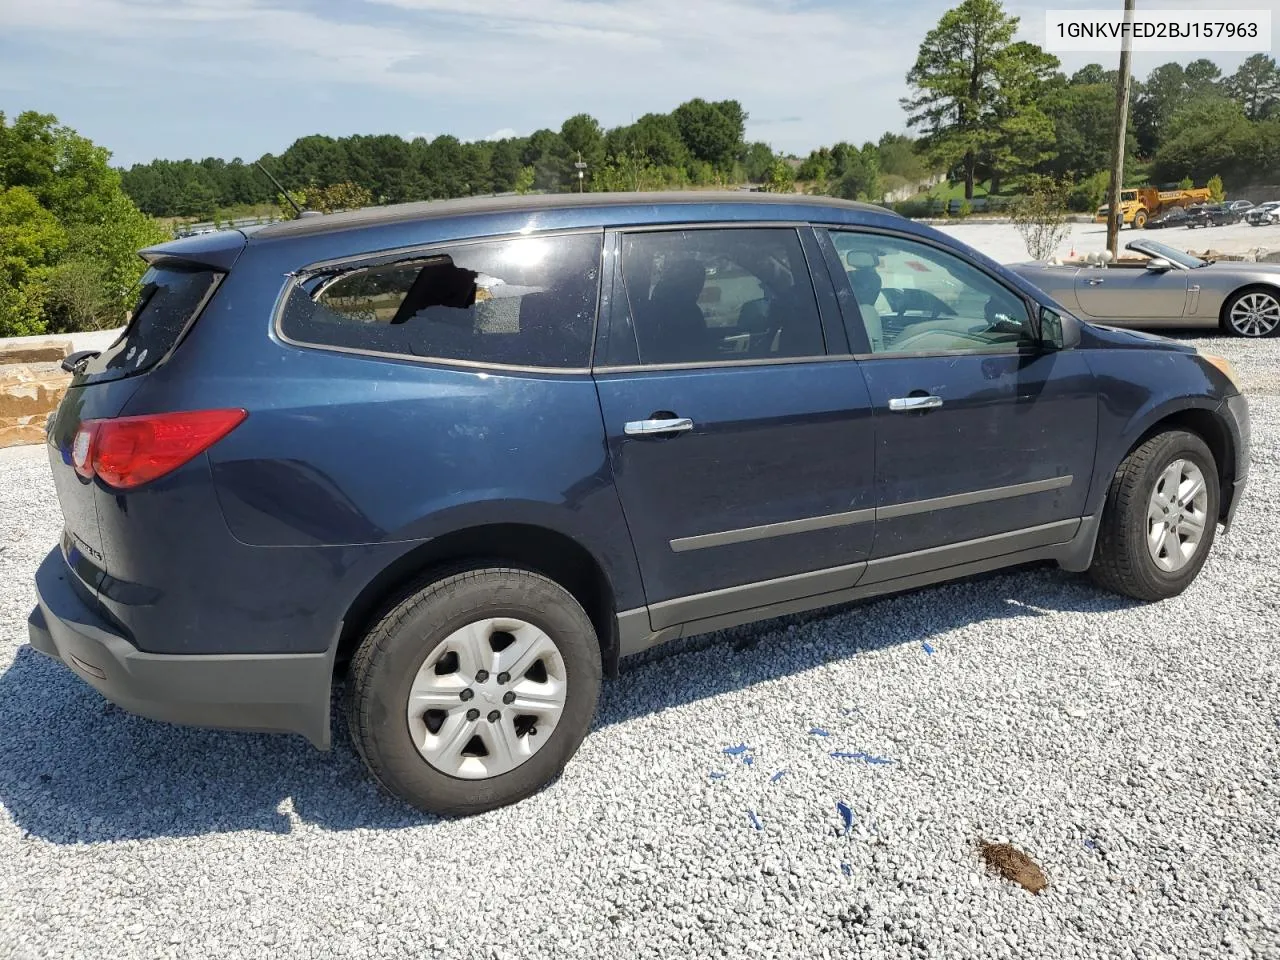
(700, 143)
(989, 108)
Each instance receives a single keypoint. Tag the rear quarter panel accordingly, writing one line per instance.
(347, 462)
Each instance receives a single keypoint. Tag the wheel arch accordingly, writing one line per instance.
(1229, 299)
(1208, 425)
(539, 549)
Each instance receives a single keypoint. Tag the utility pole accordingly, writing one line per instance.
(581, 168)
(1114, 217)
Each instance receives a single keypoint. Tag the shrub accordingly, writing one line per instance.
(1041, 216)
(1217, 192)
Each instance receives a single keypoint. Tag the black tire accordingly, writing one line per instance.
(1121, 561)
(388, 659)
(1140, 220)
(1225, 320)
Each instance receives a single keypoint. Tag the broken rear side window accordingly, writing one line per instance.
(529, 301)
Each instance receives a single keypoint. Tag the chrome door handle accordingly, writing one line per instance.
(902, 404)
(648, 428)
(1094, 281)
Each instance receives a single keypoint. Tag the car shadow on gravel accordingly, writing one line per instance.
(75, 769)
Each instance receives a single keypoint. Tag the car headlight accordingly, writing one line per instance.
(1224, 366)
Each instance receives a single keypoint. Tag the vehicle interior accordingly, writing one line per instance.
(913, 300)
(737, 299)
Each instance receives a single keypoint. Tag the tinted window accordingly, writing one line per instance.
(915, 298)
(529, 301)
(717, 295)
(168, 299)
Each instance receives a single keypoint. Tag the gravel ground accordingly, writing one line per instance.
(1131, 750)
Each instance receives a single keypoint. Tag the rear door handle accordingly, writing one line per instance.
(1094, 281)
(649, 428)
(905, 404)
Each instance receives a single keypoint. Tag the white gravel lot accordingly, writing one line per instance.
(1131, 750)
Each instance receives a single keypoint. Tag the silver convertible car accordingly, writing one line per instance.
(1165, 287)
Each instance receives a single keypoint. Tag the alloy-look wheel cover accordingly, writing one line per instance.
(1177, 515)
(486, 699)
(1256, 314)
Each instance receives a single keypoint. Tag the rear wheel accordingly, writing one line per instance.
(1254, 312)
(475, 691)
(1159, 519)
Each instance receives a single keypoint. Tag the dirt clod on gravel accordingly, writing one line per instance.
(1012, 864)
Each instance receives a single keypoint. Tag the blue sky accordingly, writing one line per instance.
(193, 78)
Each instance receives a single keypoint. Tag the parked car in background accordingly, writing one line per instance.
(1213, 215)
(1165, 287)
(1173, 217)
(1264, 214)
(1239, 206)
(468, 454)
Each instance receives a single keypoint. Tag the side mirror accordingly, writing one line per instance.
(1159, 265)
(1053, 335)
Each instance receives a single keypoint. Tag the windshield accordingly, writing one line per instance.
(1154, 249)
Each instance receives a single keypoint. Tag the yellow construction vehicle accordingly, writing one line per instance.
(1140, 204)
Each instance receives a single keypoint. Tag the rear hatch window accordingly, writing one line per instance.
(169, 299)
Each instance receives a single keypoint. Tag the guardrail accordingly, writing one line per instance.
(212, 226)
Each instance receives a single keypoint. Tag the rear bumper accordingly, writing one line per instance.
(277, 693)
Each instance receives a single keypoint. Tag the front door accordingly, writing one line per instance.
(1132, 293)
(741, 451)
(979, 432)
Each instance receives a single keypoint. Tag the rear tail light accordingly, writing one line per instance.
(127, 452)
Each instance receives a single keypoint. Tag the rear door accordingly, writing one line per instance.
(170, 297)
(741, 445)
(980, 433)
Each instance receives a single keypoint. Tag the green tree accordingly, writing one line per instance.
(900, 158)
(1024, 135)
(1084, 117)
(712, 132)
(757, 161)
(1256, 86)
(66, 218)
(1217, 192)
(967, 81)
(504, 166)
(781, 178)
(524, 180)
(1207, 136)
(31, 241)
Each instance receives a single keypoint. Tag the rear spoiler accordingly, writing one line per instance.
(217, 251)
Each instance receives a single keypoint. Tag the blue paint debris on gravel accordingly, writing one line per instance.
(846, 815)
(755, 821)
(818, 732)
(928, 648)
(736, 751)
(779, 775)
(859, 755)
(717, 775)
(846, 870)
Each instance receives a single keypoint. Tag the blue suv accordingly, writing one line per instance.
(468, 454)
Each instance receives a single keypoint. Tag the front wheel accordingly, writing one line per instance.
(1159, 518)
(474, 692)
(1140, 219)
(1252, 313)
